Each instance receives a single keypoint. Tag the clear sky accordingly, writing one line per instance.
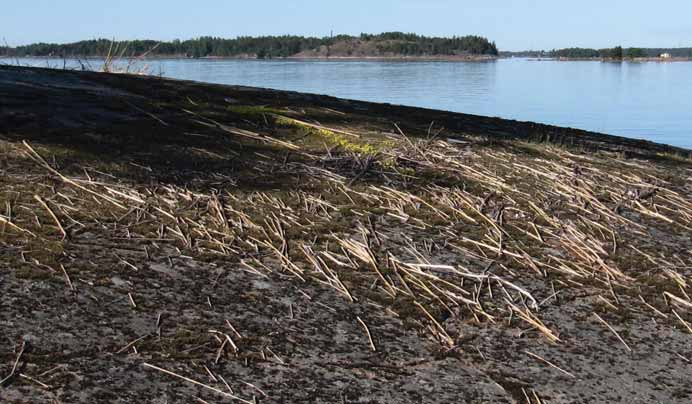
(513, 24)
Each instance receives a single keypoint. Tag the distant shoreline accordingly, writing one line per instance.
(647, 59)
(608, 60)
(441, 58)
(449, 58)
(445, 58)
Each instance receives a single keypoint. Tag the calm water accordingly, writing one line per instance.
(642, 100)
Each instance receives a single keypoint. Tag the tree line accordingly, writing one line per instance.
(420, 46)
(261, 47)
(618, 53)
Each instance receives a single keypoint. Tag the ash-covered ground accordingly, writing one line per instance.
(165, 241)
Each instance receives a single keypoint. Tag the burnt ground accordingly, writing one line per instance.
(166, 241)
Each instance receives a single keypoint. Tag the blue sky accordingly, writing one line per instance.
(513, 24)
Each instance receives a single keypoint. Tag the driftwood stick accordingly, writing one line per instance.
(187, 379)
(367, 332)
(613, 331)
(547, 362)
(16, 363)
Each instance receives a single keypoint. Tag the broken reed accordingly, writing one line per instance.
(558, 218)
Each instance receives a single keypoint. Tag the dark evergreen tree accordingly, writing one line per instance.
(633, 53)
(616, 52)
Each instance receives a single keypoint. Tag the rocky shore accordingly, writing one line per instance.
(166, 241)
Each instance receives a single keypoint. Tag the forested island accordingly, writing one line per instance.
(389, 44)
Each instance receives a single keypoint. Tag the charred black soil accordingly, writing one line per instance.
(167, 241)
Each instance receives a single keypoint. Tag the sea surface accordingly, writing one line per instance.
(646, 100)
